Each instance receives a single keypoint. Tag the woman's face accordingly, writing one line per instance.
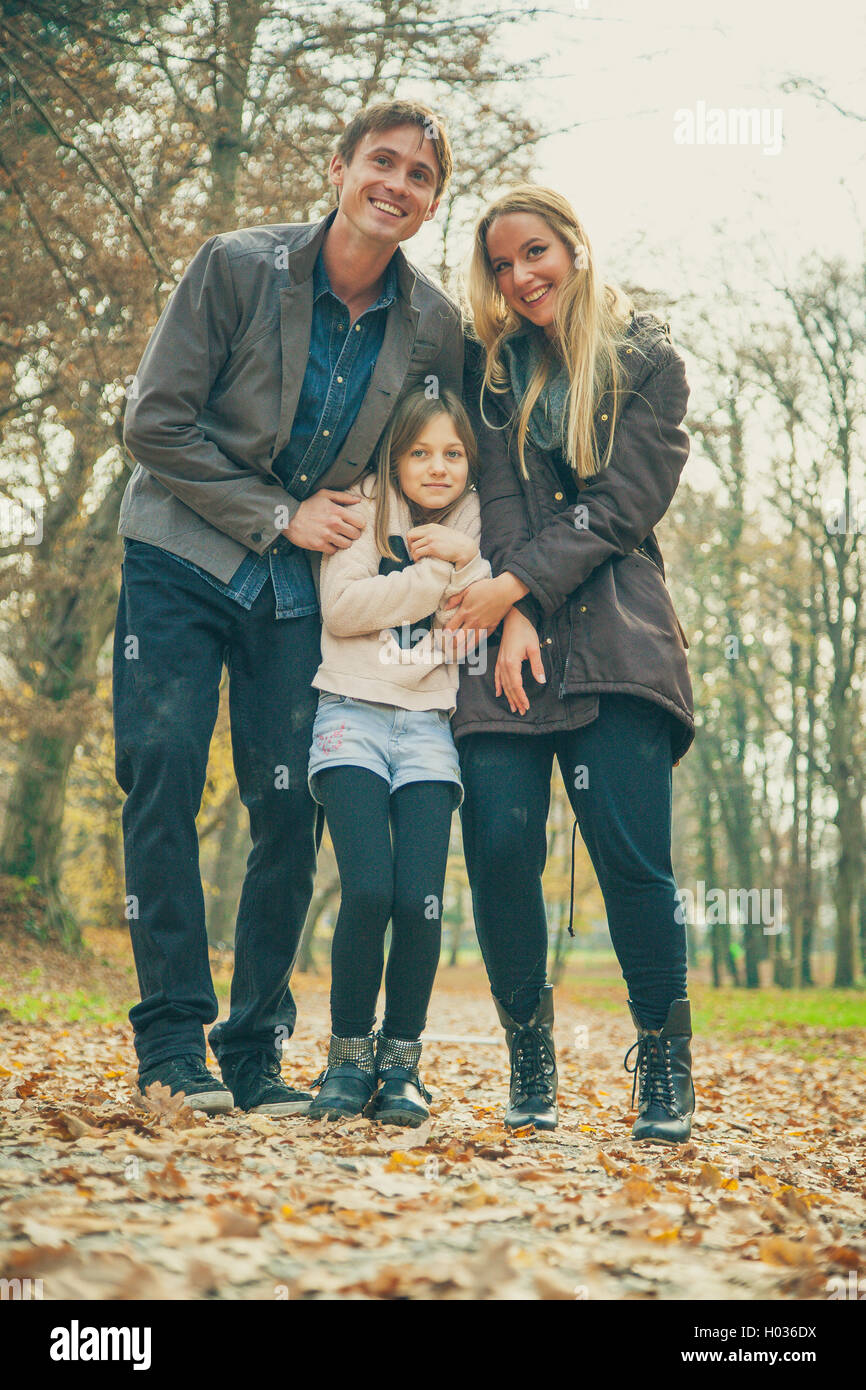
(529, 262)
(434, 471)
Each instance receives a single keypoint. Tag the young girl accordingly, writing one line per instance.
(383, 762)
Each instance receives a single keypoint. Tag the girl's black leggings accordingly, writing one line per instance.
(391, 853)
(617, 772)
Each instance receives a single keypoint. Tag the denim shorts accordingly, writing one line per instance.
(401, 745)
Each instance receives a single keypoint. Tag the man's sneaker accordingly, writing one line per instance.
(255, 1082)
(188, 1074)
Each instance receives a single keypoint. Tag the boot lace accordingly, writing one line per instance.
(191, 1062)
(252, 1063)
(652, 1067)
(534, 1065)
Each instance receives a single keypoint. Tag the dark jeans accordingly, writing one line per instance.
(174, 633)
(617, 772)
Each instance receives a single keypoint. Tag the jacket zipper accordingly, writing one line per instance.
(564, 680)
(639, 550)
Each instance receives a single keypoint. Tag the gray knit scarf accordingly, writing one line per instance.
(522, 353)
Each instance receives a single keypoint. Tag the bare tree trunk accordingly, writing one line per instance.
(849, 864)
(75, 619)
(241, 19)
(462, 914)
(561, 944)
(306, 960)
(227, 875)
(810, 896)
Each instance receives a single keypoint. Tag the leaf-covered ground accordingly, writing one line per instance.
(100, 1198)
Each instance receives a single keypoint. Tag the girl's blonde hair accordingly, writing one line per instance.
(591, 318)
(413, 412)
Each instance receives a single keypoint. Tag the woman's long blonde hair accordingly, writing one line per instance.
(413, 411)
(590, 318)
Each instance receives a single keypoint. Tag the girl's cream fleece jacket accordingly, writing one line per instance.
(361, 656)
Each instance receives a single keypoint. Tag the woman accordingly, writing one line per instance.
(577, 402)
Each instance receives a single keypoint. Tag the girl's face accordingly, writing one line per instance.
(434, 470)
(529, 262)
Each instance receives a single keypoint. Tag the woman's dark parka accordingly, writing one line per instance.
(595, 573)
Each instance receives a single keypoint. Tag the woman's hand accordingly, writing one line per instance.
(485, 603)
(519, 643)
(442, 543)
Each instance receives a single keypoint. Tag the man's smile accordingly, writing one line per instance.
(390, 208)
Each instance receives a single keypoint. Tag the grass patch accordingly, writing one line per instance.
(736, 1009)
(809, 1022)
(76, 1006)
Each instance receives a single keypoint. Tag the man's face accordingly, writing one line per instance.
(389, 188)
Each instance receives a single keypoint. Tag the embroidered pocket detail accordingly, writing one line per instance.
(329, 743)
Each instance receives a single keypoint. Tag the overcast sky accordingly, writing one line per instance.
(664, 214)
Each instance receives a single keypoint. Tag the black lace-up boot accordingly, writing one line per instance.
(402, 1097)
(348, 1081)
(532, 1100)
(663, 1070)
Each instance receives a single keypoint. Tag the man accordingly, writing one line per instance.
(260, 398)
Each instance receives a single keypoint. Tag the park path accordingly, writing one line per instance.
(100, 1199)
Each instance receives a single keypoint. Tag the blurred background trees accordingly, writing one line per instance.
(131, 132)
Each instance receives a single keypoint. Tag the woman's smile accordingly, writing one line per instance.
(537, 295)
(530, 262)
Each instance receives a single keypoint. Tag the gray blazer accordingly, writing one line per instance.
(213, 401)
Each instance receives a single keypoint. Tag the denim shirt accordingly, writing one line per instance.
(339, 367)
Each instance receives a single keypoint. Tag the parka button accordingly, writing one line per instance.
(548, 641)
(557, 497)
(604, 417)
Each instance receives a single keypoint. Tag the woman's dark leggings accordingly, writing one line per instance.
(617, 772)
(379, 881)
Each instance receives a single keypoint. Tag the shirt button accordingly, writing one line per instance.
(275, 551)
(340, 380)
(303, 477)
(357, 328)
(557, 497)
(632, 350)
(583, 608)
(326, 433)
(548, 641)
